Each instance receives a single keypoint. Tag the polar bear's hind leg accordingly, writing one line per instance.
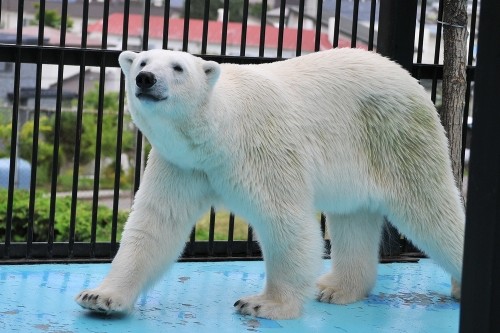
(292, 256)
(355, 242)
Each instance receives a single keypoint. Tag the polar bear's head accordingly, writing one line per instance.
(167, 80)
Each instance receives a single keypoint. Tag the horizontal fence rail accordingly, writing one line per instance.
(71, 158)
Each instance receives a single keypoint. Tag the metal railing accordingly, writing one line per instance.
(258, 36)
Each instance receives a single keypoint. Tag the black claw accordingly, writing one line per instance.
(85, 297)
(256, 308)
(243, 305)
(108, 303)
(237, 303)
(96, 297)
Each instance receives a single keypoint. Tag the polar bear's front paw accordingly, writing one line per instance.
(264, 307)
(331, 291)
(103, 301)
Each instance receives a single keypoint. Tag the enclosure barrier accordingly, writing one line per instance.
(106, 28)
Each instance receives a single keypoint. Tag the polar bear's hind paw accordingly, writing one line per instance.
(262, 307)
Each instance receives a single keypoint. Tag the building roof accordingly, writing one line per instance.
(75, 7)
(52, 36)
(176, 32)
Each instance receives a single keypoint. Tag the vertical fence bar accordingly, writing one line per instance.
(230, 235)
(323, 225)
(437, 50)
(57, 130)
(300, 26)
(204, 36)
(192, 239)
(36, 132)
(211, 232)
(138, 160)
(371, 29)
(439, 27)
(166, 23)
(139, 139)
(116, 186)
(336, 28)
(480, 310)
(126, 14)
(119, 134)
(319, 15)
(470, 60)
(423, 7)
(98, 137)
(185, 36)
(78, 132)
(472, 33)
(396, 32)
(145, 28)
(250, 241)
(225, 19)
(281, 29)
(355, 14)
(244, 25)
(327, 249)
(396, 35)
(14, 132)
(263, 27)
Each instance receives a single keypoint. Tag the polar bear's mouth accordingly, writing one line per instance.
(144, 96)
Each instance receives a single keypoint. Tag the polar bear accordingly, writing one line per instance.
(343, 131)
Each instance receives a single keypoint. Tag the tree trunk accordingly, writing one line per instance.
(454, 79)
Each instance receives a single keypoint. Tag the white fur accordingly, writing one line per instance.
(343, 131)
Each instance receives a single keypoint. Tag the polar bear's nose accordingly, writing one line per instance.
(145, 80)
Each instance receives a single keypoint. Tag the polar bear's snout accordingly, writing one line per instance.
(145, 80)
(148, 88)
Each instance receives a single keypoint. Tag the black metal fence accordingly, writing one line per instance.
(60, 78)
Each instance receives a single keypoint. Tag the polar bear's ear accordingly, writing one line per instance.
(212, 71)
(125, 59)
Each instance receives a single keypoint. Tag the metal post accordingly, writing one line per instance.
(480, 309)
(396, 35)
(396, 30)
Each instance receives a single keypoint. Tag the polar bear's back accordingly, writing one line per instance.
(328, 85)
(347, 114)
(338, 92)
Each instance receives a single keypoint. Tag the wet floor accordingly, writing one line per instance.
(199, 297)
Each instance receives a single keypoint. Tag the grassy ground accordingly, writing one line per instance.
(221, 227)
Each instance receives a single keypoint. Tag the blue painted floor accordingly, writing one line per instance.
(199, 297)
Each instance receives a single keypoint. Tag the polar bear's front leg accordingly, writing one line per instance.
(165, 208)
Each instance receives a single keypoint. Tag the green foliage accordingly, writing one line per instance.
(52, 18)
(5, 131)
(68, 136)
(41, 215)
(45, 147)
(109, 124)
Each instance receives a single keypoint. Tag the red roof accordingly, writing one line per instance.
(52, 36)
(176, 29)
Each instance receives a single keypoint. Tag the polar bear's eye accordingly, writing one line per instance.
(143, 63)
(178, 68)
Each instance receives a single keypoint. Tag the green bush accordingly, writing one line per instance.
(62, 217)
